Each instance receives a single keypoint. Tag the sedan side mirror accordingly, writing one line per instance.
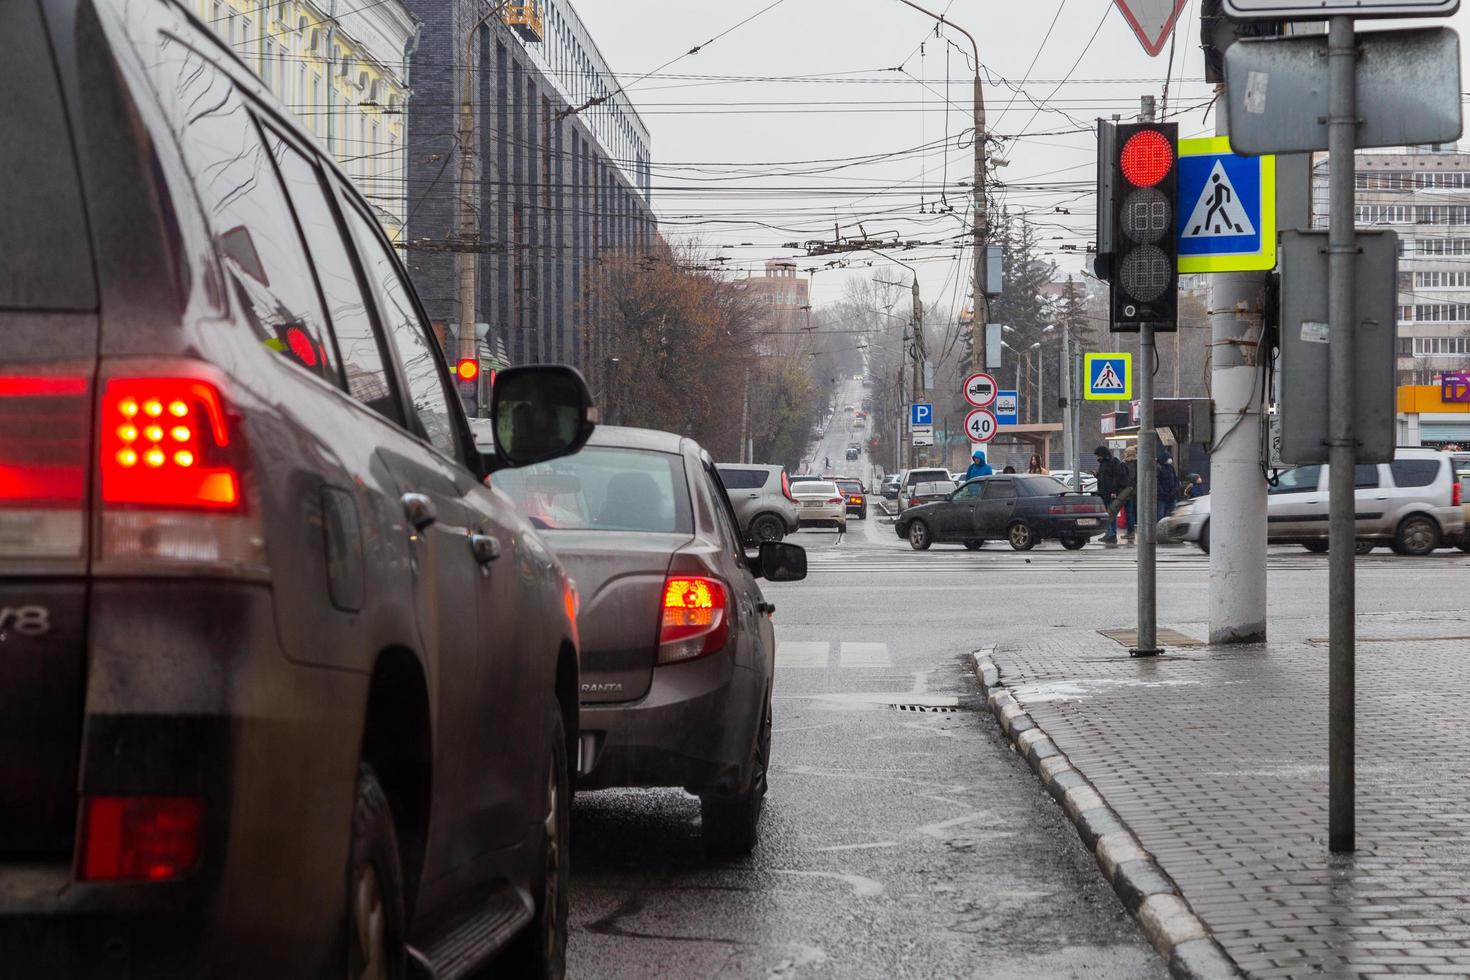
(779, 562)
(540, 412)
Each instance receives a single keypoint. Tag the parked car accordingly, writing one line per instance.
(1023, 509)
(1461, 462)
(889, 487)
(761, 495)
(910, 479)
(285, 688)
(1414, 505)
(677, 649)
(1089, 482)
(928, 493)
(857, 497)
(820, 502)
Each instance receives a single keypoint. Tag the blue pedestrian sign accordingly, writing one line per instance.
(921, 413)
(1006, 407)
(1109, 376)
(1226, 208)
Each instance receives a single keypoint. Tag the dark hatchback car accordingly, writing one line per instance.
(284, 688)
(856, 494)
(1021, 509)
(678, 646)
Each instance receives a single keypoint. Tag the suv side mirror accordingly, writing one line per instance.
(540, 412)
(780, 562)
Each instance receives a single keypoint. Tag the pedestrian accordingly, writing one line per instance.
(1109, 477)
(1126, 486)
(978, 466)
(1194, 487)
(1009, 469)
(1035, 465)
(1168, 486)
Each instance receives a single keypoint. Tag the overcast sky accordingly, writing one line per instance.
(746, 132)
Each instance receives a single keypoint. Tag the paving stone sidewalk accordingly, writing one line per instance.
(1217, 761)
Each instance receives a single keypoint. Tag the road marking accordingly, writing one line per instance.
(862, 656)
(862, 886)
(810, 654)
(859, 847)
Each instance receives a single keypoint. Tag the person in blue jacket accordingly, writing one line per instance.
(978, 466)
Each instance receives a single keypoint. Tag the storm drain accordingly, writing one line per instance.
(941, 709)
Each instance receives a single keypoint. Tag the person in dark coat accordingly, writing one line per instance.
(1168, 486)
(1110, 480)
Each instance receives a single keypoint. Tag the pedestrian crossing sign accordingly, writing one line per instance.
(1109, 376)
(1226, 209)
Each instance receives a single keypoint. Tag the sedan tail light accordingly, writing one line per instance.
(694, 622)
(835, 500)
(172, 464)
(139, 838)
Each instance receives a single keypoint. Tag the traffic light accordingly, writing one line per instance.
(1144, 177)
(468, 369)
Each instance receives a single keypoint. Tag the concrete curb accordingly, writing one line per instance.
(1147, 892)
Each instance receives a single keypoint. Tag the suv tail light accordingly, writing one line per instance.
(786, 487)
(139, 838)
(1456, 493)
(694, 622)
(172, 465)
(44, 446)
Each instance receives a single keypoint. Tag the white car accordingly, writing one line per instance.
(1413, 505)
(1089, 482)
(820, 502)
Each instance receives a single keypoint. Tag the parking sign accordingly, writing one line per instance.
(921, 413)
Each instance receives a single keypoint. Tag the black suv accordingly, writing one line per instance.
(285, 689)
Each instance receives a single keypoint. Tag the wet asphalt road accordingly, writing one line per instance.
(895, 843)
(907, 843)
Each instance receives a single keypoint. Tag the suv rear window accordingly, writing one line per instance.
(1414, 472)
(916, 477)
(43, 232)
(742, 479)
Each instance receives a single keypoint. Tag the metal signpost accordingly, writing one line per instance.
(1345, 118)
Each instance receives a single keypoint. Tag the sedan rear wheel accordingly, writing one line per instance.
(767, 527)
(1021, 536)
(975, 544)
(1074, 544)
(919, 537)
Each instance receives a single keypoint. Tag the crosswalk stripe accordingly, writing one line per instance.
(864, 655)
(802, 653)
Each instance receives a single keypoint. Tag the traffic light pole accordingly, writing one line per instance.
(1146, 494)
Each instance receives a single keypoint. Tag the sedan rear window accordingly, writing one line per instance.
(603, 489)
(1414, 472)
(814, 488)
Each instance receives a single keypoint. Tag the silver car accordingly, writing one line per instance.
(677, 643)
(761, 496)
(1412, 504)
(912, 478)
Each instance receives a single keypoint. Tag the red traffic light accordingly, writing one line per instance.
(468, 369)
(1146, 158)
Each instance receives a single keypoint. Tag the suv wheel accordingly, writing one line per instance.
(767, 527)
(730, 825)
(541, 951)
(1021, 536)
(1418, 535)
(919, 538)
(1204, 537)
(975, 544)
(1364, 546)
(375, 913)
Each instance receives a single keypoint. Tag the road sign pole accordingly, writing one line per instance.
(1342, 126)
(1146, 496)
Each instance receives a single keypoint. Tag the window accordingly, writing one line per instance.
(1414, 472)
(358, 344)
(724, 515)
(743, 479)
(604, 489)
(1442, 312)
(1365, 476)
(1442, 214)
(1298, 479)
(1382, 214)
(1442, 280)
(255, 233)
(1440, 346)
(420, 368)
(999, 490)
(970, 491)
(1444, 246)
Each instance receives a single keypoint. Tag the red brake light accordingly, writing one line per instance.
(835, 500)
(693, 618)
(164, 443)
(141, 838)
(468, 369)
(1456, 495)
(1146, 158)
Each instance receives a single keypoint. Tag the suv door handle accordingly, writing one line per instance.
(752, 496)
(484, 547)
(419, 510)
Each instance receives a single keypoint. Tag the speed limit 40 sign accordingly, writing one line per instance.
(980, 389)
(980, 425)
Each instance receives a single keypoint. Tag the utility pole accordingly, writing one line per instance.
(978, 217)
(1237, 525)
(919, 386)
(467, 256)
